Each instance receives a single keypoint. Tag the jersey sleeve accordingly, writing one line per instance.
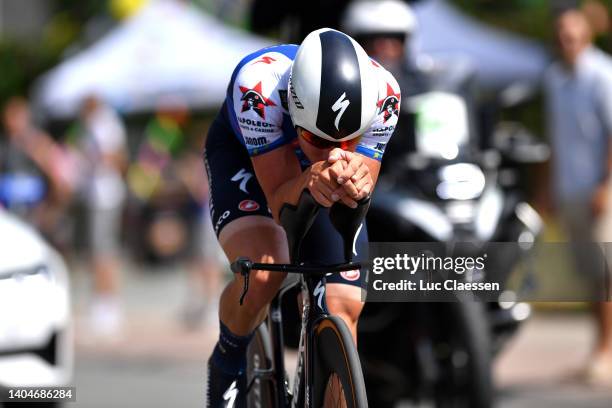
(258, 106)
(375, 139)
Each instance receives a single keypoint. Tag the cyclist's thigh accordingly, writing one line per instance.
(256, 237)
(238, 207)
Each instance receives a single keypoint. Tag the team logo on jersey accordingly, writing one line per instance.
(389, 104)
(252, 99)
(248, 206)
(265, 60)
(350, 275)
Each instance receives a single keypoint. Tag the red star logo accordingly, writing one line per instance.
(389, 104)
(254, 99)
(265, 60)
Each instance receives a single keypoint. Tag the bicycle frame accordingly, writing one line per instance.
(296, 221)
(314, 309)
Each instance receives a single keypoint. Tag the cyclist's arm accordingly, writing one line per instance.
(282, 180)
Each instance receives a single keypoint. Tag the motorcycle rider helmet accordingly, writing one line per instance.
(333, 87)
(379, 18)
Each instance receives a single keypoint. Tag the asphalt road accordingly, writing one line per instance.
(157, 365)
(156, 362)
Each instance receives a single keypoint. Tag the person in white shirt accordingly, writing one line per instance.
(103, 145)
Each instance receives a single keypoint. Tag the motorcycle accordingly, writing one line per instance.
(447, 190)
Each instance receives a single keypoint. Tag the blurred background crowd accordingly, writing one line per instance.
(106, 104)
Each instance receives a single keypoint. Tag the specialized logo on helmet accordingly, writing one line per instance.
(340, 105)
(252, 99)
(389, 105)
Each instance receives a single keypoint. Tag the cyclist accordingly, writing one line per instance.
(311, 117)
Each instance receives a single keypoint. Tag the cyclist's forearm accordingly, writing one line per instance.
(288, 193)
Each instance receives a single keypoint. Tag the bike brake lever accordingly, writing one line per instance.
(243, 266)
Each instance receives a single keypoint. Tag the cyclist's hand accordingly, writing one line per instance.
(322, 185)
(351, 173)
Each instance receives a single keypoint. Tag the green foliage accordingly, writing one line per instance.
(22, 61)
(527, 17)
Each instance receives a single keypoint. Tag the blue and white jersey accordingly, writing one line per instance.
(257, 108)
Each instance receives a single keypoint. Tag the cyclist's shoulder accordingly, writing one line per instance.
(269, 59)
(384, 76)
(287, 50)
(270, 66)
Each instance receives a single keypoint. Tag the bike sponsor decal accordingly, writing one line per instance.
(248, 206)
(389, 105)
(253, 99)
(351, 275)
(276, 315)
(243, 177)
(319, 292)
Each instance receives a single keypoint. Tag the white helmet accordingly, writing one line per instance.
(333, 86)
(367, 17)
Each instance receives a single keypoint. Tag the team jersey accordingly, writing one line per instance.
(256, 104)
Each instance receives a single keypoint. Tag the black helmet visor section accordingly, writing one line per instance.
(340, 95)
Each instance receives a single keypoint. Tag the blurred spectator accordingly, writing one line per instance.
(597, 15)
(35, 172)
(166, 178)
(205, 254)
(154, 181)
(579, 106)
(101, 139)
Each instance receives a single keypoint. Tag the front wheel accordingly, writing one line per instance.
(338, 379)
(262, 393)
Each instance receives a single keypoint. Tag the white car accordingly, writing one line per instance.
(36, 347)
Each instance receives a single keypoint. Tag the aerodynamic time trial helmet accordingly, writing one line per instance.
(333, 87)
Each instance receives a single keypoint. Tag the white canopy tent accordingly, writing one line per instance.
(169, 49)
(499, 58)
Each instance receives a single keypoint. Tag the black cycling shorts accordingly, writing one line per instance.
(235, 192)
